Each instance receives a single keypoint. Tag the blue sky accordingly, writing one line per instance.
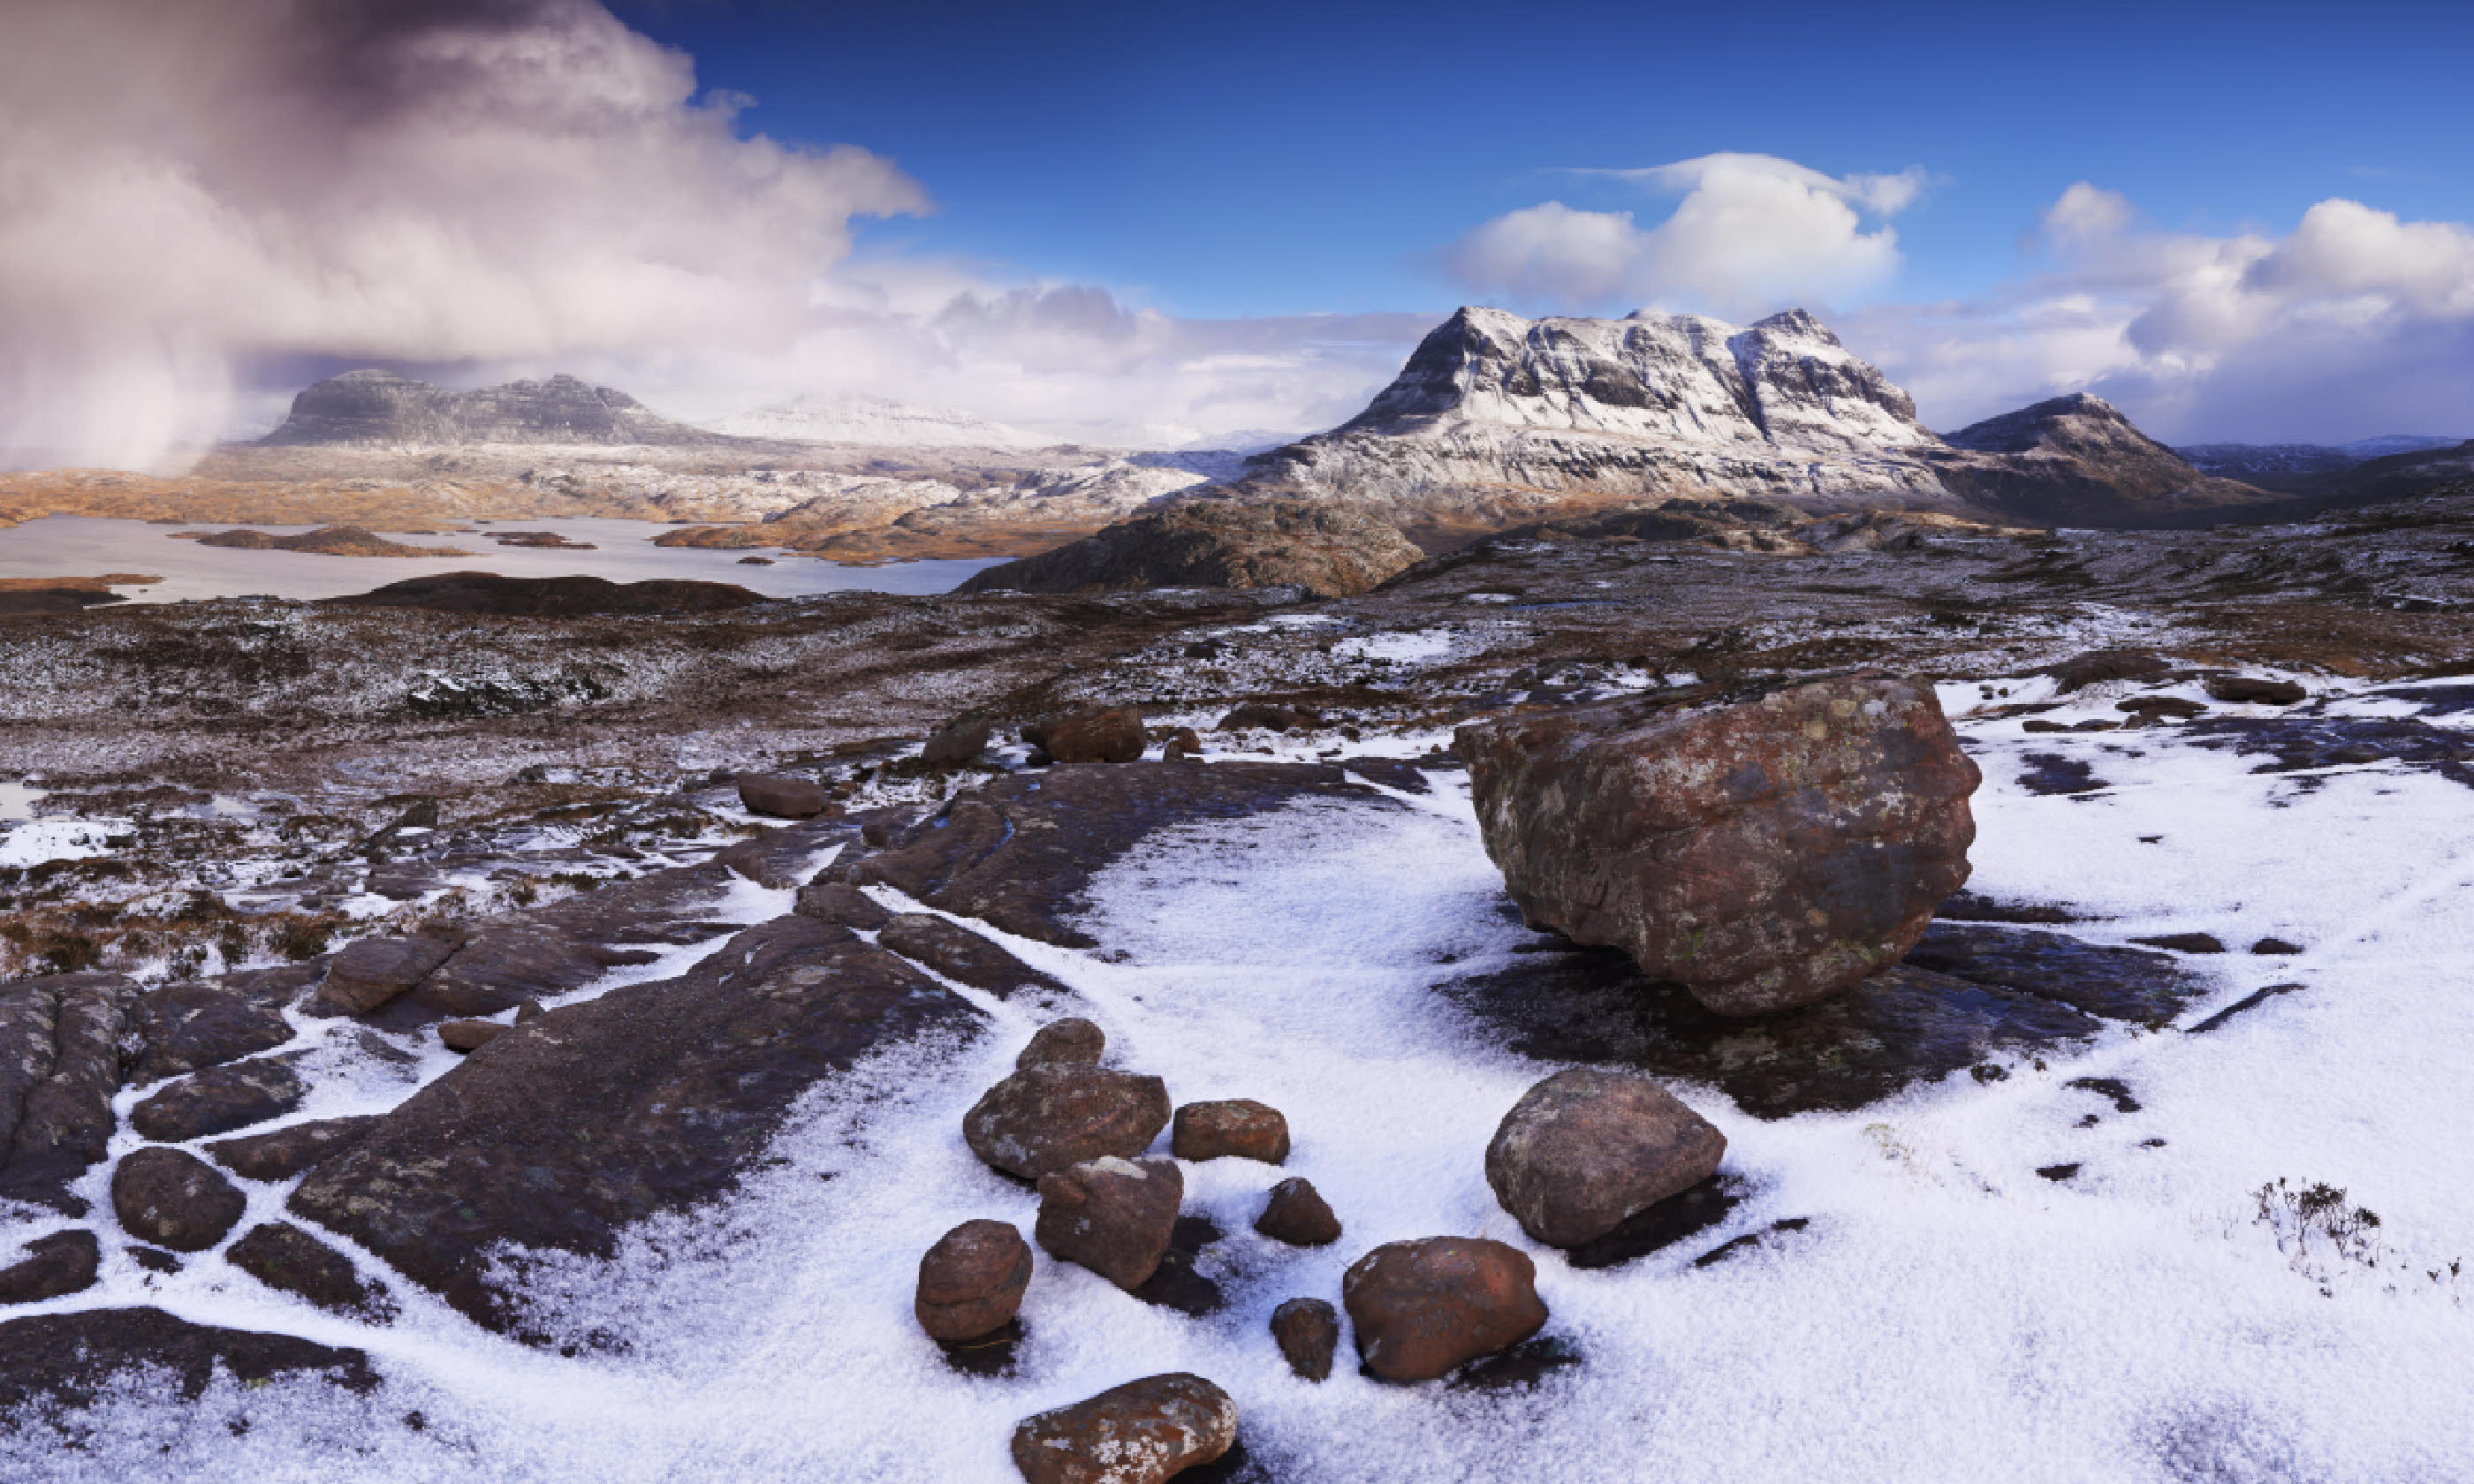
(1279, 159)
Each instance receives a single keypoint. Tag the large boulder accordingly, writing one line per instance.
(1113, 1216)
(784, 797)
(650, 1097)
(1052, 1114)
(1324, 550)
(1139, 1433)
(1090, 733)
(60, 1066)
(1764, 852)
(1585, 1149)
(1422, 1307)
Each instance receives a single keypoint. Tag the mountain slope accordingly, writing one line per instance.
(2077, 460)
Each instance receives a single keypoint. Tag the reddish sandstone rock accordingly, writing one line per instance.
(1113, 1216)
(1050, 1116)
(1424, 1306)
(1307, 1332)
(1240, 1128)
(1764, 853)
(1089, 733)
(1585, 1149)
(1072, 1040)
(1138, 1433)
(1297, 1214)
(971, 1282)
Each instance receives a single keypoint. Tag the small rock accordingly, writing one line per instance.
(1307, 1332)
(784, 797)
(2185, 943)
(1113, 1216)
(63, 1262)
(1240, 1128)
(1422, 1307)
(1585, 1149)
(971, 1281)
(374, 971)
(2161, 705)
(281, 1255)
(958, 743)
(2272, 948)
(2249, 690)
(1181, 746)
(2080, 671)
(174, 1199)
(1139, 1433)
(1089, 735)
(1070, 1041)
(218, 1100)
(1050, 1116)
(1297, 1214)
(470, 1035)
(153, 1261)
(288, 1151)
(1268, 716)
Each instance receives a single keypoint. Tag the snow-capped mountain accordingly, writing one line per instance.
(1494, 414)
(820, 419)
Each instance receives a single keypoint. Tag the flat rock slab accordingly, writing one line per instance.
(2114, 983)
(67, 1358)
(63, 1262)
(960, 954)
(285, 1151)
(190, 1027)
(219, 1100)
(651, 1097)
(1021, 852)
(60, 1064)
(1903, 1026)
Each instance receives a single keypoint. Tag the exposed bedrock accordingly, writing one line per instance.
(1323, 550)
(67, 1358)
(650, 1097)
(60, 1064)
(1764, 853)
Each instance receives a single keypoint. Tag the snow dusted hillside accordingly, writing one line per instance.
(817, 417)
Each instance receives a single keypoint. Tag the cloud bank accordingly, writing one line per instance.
(1752, 232)
(2355, 322)
(187, 188)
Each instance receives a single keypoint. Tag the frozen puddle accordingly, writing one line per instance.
(1948, 1312)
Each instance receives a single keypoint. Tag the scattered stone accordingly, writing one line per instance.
(960, 954)
(219, 1100)
(2113, 1087)
(1113, 1216)
(1764, 854)
(1307, 1332)
(67, 1358)
(2152, 707)
(1089, 733)
(2080, 671)
(281, 1255)
(2249, 690)
(60, 1066)
(1239, 1128)
(784, 797)
(1269, 716)
(288, 1151)
(653, 1096)
(470, 1035)
(1585, 1149)
(957, 744)
(1139, 1433)
(1070, 1041)
(2276, 948)
(2057, 1173)
(371, 971)
(1422, 1307)
(172, 1197)
(2184, 942)
(971, 1281)
(63, 1262)
(1051, 1116)
(1297, 1214)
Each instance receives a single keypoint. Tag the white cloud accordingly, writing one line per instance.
(2355, 324)
(186, 188)
(1752, 232)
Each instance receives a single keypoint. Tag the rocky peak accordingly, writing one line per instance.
(2074, 423)
(382, 407)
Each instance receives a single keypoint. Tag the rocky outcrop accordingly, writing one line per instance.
(1139, 1433)
(1585, 1149)
(1323, 550)
(650, 1097)
(60, 1064)
(186, 1027)
(285, 1257)
(1764, 852)
(381, 407)
(1421, 1308)
(64, 1359)
(2078, 461)
(372, 971)
(285, 1151)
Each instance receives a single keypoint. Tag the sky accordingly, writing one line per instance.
(1176, 222)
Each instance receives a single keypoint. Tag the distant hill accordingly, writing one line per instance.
(2301, 467)
(831, 419)
(377, 407)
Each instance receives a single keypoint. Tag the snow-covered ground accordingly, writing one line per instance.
(1948, 1313)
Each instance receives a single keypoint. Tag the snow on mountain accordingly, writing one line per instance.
(816, 418)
